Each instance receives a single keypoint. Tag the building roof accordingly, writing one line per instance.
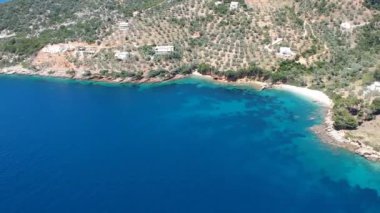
(123, 25)
(234, 4)
(218, 3)
(346, 25)
(286, 50)
(167, 48)
(122, 55)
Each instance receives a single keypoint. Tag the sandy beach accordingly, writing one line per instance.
(314, 95)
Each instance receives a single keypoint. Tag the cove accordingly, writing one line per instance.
(184, 146)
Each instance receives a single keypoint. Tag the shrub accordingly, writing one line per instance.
(372, 4)
(157, 73)
(344, 120)
(205, 69)
(376, 75)
(375, 106)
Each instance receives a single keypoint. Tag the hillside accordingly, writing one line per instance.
(329, 45)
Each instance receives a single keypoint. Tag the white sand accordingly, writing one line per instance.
(313, 95)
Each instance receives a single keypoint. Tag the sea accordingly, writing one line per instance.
(184, 146)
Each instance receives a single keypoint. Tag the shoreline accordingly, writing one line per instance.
(325, 131)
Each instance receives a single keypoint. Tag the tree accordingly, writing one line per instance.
(344, 120)
(372, 4)
(205, 68)
(375, 106)
(376, 75)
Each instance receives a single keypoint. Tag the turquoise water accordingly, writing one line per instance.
(185, 146)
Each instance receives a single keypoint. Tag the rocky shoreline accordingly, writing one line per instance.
(328, 134)
(325, 131)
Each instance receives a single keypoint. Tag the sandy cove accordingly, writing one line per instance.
(325, 131)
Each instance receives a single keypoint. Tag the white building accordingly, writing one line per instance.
(136, 13)
(87, 50)
(161, 50)
(124, 26)
(217, 3)
(373, 88)
(346, 27)
(122, 55)
(234, 5)
(285, 52)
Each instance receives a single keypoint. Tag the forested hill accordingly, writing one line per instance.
(372, 4)
(39, 22)
(29, 15)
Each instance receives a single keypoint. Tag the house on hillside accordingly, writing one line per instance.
(136, 13)
(217, 3)
(285, 52)
(87, 50)
(346, 27)
(234, 5)
(162, 50)
(122, 56)
(123, 26)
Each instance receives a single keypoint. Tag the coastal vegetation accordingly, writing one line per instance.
(373, 4)
(376, 106)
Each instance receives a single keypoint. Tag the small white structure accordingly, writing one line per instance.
(87, 50)
(123, 26)
(346, 27)
(162, 50)
(234, 5)
(136, 13)
(123, 56)
(217, 3)
(55, 49)
(285, 52)
(373, 88)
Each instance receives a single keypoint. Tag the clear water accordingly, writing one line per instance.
(186, 146)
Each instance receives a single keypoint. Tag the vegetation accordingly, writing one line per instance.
(160, 73)
(372, 4)
(344, 120)
(24, 46)
(376, 106)
(376, 75)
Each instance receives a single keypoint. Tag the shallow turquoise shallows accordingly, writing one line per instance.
(186, 146)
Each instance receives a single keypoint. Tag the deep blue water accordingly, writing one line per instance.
(188, 146)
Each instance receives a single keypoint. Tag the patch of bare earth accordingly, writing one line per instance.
(369, 133)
